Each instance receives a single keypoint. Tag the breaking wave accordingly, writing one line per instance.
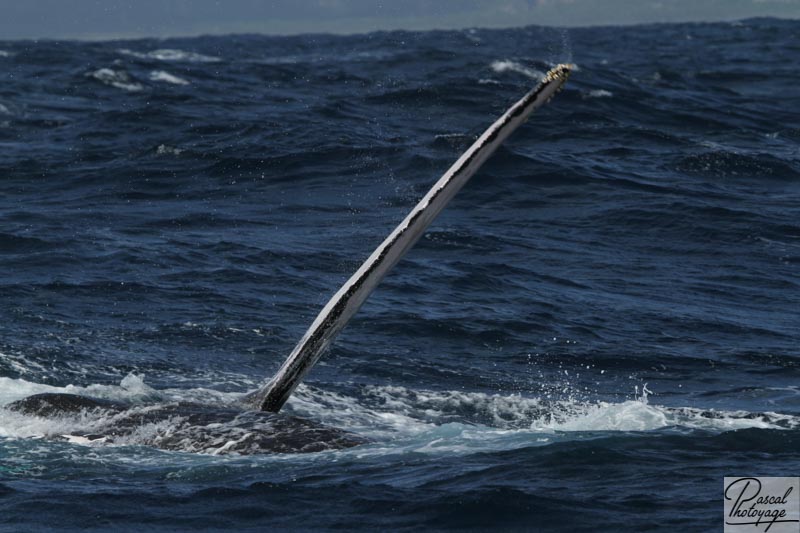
(116, 78)
(162, 75)
(507, 65)
(171, 54)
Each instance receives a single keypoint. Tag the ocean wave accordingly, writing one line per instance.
(171, 54)
(190, 233)
(506, 65)
(723, 162)
(131, 388)
(19, 364)
(116, 78)
(162, 75)
(520, 412)
(469, 422)
(164, 149)
(599, 93)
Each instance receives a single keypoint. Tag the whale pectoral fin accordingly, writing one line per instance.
(344, 304)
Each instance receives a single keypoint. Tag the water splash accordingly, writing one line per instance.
(393, 418)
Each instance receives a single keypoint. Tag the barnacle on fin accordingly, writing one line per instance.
(560, 71)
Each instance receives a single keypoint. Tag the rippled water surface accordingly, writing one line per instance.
(601, 325)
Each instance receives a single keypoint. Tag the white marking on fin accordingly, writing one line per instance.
(344, 304)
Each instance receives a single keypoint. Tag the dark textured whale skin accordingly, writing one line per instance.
(191, 427)
(53, 404)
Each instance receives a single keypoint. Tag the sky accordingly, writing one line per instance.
(101, 19)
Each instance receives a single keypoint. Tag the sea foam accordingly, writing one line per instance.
(116, 78)
(162, 75)
(171, 54)
(507, 65)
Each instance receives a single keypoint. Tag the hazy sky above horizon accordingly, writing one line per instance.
(90, 19)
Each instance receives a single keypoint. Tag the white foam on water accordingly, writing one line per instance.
(85, 441)
(600, 93)
(461, 422)
(20, 364)
(4, 110)
(4, 53)
(171, 54)
(166, 77)
(507, 65)
(116, 78)
(472, 35)
(18, 425)
(131, 388)
(163, 149)
(396, 419)
(453, 136)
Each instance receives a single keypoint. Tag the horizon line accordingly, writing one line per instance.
(133, 36)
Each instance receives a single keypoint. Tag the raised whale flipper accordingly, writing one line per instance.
(344, 304)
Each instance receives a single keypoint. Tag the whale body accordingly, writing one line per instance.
(185, 426)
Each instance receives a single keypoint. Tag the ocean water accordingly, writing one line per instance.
(601, 325)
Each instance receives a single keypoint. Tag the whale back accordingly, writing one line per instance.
(183, 426)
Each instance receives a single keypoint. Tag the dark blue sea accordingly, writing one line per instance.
(603, 323)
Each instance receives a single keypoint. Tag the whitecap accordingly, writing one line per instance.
(164, 149)
(449, 136)
(600, 93)
(281, 60)
(133, 53)
(4, 110)
(3, 53)
(507, 65)
(472, 35)
(170, 54)
(131, 388)
(162, 75)
(116, 78)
